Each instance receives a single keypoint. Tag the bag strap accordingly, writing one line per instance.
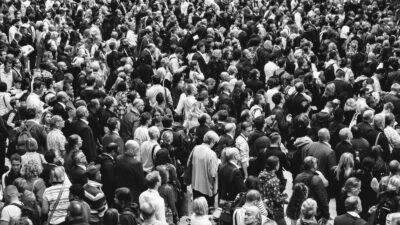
(55, 204)
(152, 152)
(34, 182)
(377, 138)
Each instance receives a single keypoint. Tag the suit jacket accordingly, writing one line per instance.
(294, 104)
(144, 72)
(77, 175)
(371, 137)
(60, 110)
(113, 137)
(107, 170)
(347, 219)
(94, 124)
(129, 173)
(202, 63)
(88, 140)
(364, 128)
(230, 181)
(343, 90)
(112, 60)
(325, 155)
(343, 147)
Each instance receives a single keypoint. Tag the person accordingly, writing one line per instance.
(56, 210)
(129, 170)
(32, 154)
(152, 196)
(56, 139)
(141, 133)
(270, 189)
(14, 172)
(12, 211)
(308, 212)
(81, 127)
(200, 212)
(111, 217)
(106, 160)
(78, 169)
(205, 168)
(315, 186)
(323, 152)
(123, 203)
(352, 187)
(300, 194)
(131, 119)
(74, 144)
(31, 171)
(148, 213)
(60, 107)
(353, 208)
(226, 139)
(74, 215)
(388, 201)
(250, 213)
(343, 171)
(169, 195)
(77, 193)
(344, 146)
(37, 131)
(113, 125)
(149, 149)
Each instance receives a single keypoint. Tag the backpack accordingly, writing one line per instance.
(26, 212)
(329, 73)
(385, 208)
(22, 136)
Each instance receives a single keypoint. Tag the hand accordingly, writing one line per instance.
(289, 118)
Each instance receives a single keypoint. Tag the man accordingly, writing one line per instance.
(377, 136)
(123, 203)
(141, 134)
(12, 211)
(149, 149)
(230, 178)
(205, 168)
(393, 97)
(106, 162)
(280, 113)
(113, 135)
(93, 119)
(77, 172)
(148, 213)
(131, 119)
(365, 125)
(243, 146)
(257, 109)
(36, 130)
(270, 68)
(353, 209)
(94, 196)
(110, 104)
(345, 145)
(75, 214)
(323, 118)
(322, 151)
(81, 127)
(6, 74)
(295, 101)
(343, 89)
(199, 56)
(227, 139)
(175, 59)
(60, 108)
(112, 57)
(152, 196)
(315, 186)
(157, 88)
(9, 177)
(250, 208)
(129, 170)
(254, 82)
(33, 100)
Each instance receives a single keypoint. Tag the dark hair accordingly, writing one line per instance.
(30, 113)
(167, 121)
(252, 182)
(112, 123)
(259, 122)
(37, 85)
(3, 87)
(356, 131)
(111, 217)
(123, 195)
(50, 155)
(146, 116)
(277, 98)
(15, 157)
(77, 190)
(271, 163)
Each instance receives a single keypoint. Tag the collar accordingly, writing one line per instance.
(85, 121)
(115, 132)
(327, 143)
(354, 214)
(62, 104)
(244, 137)
(233, 163)
(108, 155)
(94, 183)
(82, 166)
(230, 136)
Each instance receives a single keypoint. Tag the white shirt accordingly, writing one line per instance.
(33, 102)
(11, 213)
(269, 95)
(243, 146)
(146, 156)
(269, 70)
(7, 78)
(156, 200)
(141, 134)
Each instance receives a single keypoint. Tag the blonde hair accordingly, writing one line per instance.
(57, 175)
(200, 206)
(308, 208)
(394, 183)
(31, 169)
(346, 165)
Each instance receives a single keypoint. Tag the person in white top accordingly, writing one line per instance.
(5, 99)
(6, 75)
(200, 215)
(11, 212)
(33, 101)
(149, 149)
(151, 196)
(269, 69)
(242, 144)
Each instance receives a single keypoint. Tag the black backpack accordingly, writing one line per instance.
(26, 212)
(384, 208)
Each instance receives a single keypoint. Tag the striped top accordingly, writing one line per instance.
(51, 194)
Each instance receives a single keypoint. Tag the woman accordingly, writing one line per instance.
(200, 212)
(30, 201)
(300, 194)
(387, 200)
(169, 195)
(56, 211)
(308, 212)
(5, 99)
(342, 172)
(31, 172)
(195, 73)
(56, 139)
(111, 217)
(45, 120)
(350, 115)
(194, 113)
(270, 192)
(367, 194)
(352, 187)
(74, 144)
(186, 101)
(380, 168)
(251, 183)
(392, 135)
(31, 154)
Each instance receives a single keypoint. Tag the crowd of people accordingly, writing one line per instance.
(154, 112)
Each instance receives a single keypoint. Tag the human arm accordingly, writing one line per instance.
(320, 196)
(10, 119)
(45, 205)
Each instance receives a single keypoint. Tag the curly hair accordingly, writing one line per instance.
(300, 194)
(31, 169)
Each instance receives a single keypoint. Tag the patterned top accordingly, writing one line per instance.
(56, 140)
(269, 185)
(50, 195)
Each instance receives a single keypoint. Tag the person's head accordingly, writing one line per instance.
(138, 104)
(93, 173)
(277, 98)
(308, 209)
(231, 155)
(379, 121)
(352, 186)
(76, 192)
(15, 163)
(57, 122)
(353, 204)
(388, 107)
(145, 119)
(211, 138)
(153, 180)
(272, 163)
(123, 198)
(345, 134)
(79, 158)
(389, 119)
(132, 148)
(110, 102)
(230, 128)
(82, 112)
(200, 206)
(167, 137)
(74, 142)
(31, 145)
(31, 169)
(113, 124)
(368, 116)
(394, 167)
(252, 182)
(394, 183)
(246, 128)
(259, 123)
(111, 217)
(275, 138)
(38, 87)
(324, 135)
(300, 192)
(74, 211)
(253, 197)
(252, 215)
(3, 87)
(57, 175)
(310, 163)
(154, 133)
(21, 184)
(10, 194)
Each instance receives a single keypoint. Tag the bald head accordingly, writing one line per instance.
(323, 135)
(75, 210)
(345, 134)
(132, 148)
(379, 121)
(368, 116)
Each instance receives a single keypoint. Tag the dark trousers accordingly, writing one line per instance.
(210, 199)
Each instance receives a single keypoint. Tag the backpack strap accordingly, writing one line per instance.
(377, 138)
(152, 152)
(55, 204)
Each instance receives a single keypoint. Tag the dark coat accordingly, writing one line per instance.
(230, 181)
(114, 137)
(371, 137)
(77, 175)
(202, 63)
(39, 133)
(343, 147)
(347, 219)
(112, 60)
(60, 110)
(107, 171)
(224, 141)
(129, 173)
(88, 141)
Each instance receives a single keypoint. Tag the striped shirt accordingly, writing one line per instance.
(51, 194)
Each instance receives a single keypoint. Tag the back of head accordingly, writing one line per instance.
(75, 210)
(309, 208)
(152, 179)
(154, 133)
(352, 203)
(132, 147)
(310, 163)
(210, 137)
(324, 135)
(368, 116)
(345, 134)
(123, 195)
(394, 183)
(271, 163)
(253, 195)
(394, 166)
(200, 206)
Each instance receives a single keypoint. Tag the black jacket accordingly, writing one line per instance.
(88, 141)
(347, 219)
(107, 171)
(60, 110)
(230, 182)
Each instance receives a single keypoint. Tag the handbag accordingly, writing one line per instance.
(55, 204)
